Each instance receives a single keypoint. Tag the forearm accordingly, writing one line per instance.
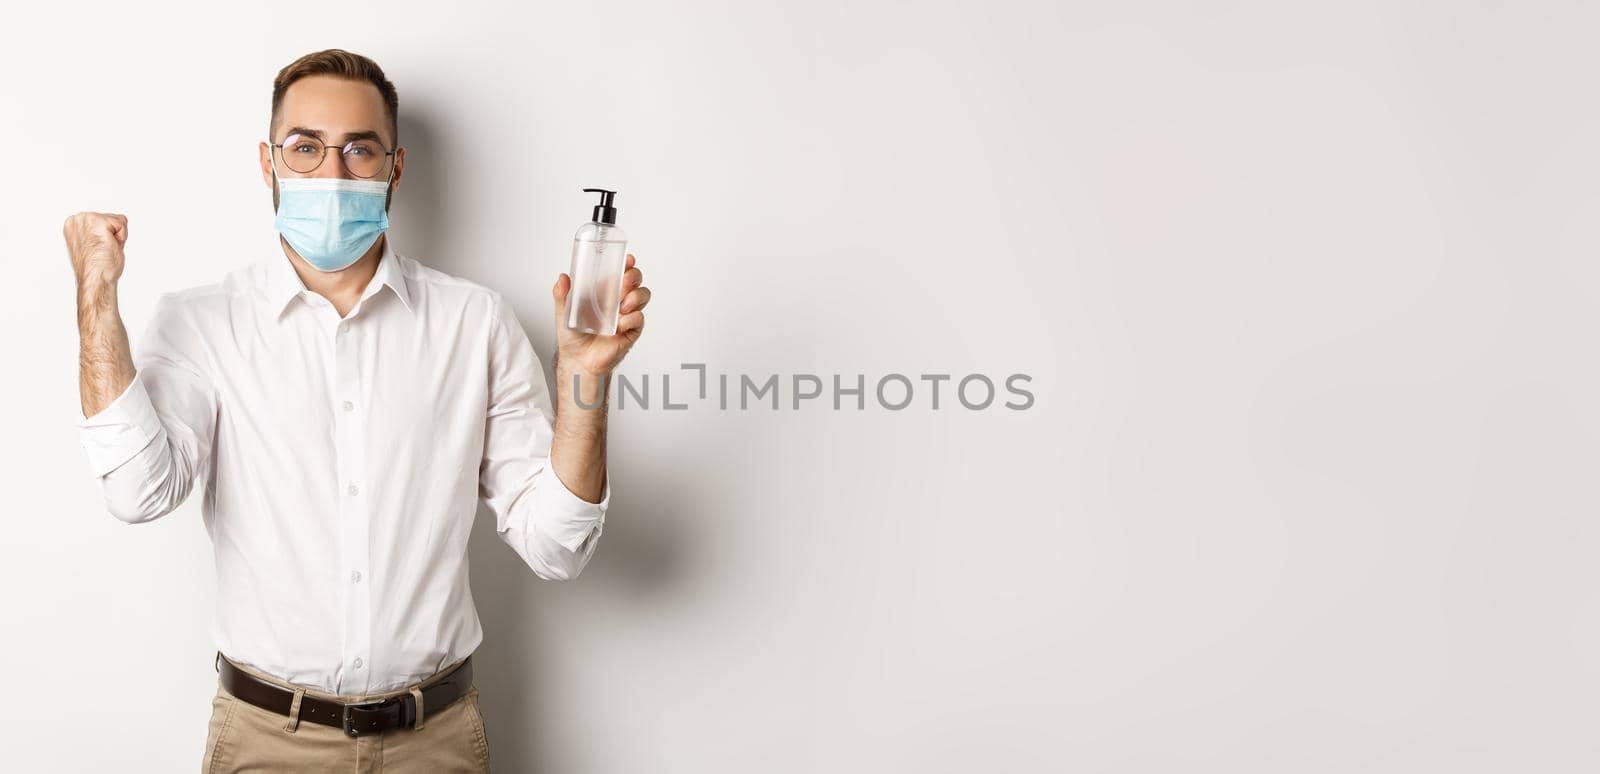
(105, 362)
(578, 452)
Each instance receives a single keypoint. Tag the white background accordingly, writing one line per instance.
(1305, 290)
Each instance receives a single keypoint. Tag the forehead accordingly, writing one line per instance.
(334, 105)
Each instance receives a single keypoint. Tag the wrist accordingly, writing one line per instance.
(96, 292)
(571, 363)
(588, 387)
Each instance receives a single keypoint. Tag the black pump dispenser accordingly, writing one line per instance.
(604, 212)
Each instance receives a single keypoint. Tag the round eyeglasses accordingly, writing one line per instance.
(304, 153)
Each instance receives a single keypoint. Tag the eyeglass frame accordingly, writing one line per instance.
(389, 154)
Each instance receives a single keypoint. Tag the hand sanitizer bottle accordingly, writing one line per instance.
(599, 253)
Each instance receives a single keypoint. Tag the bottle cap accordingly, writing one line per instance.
(603, 212)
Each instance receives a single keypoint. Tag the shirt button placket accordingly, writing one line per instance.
(350, 435)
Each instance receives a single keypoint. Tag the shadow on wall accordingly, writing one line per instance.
(642, 551)
(421, 210)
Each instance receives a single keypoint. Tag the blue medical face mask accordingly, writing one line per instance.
(331, 222)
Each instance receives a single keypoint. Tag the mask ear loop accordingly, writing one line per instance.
(388, 191)
(272, 160)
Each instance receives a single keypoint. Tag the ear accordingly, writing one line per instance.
(399, 168)
(265, 153)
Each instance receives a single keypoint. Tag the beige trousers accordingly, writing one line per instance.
(245, 738)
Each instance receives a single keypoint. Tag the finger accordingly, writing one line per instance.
(636, 300)
(633, 322)
(629, 263)
(558, 292)
(108, 227)
(632, 278)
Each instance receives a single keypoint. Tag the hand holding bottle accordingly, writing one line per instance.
(594, 353)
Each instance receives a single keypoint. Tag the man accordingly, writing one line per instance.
(346, 407)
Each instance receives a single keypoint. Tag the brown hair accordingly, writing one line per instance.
(342, 64)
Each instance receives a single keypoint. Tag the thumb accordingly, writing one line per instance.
(559, 292)
(119, 229)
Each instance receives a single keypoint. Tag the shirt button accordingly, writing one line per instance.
(358, 662)
(354, 490)
(355, 576)
(348, 406)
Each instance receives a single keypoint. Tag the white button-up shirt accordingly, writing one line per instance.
(343, 460)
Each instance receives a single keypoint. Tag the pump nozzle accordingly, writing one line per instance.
(604, 212)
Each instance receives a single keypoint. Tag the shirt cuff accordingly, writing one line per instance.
(567, 517)
(120, 430)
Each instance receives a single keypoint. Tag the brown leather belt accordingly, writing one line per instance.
(356, 718)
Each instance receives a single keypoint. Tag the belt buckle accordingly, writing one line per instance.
(349, 722)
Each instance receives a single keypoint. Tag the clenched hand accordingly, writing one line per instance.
(94, 242)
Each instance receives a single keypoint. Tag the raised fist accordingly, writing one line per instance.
(94, 242)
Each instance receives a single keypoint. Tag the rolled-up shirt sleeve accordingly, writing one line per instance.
(148, 447)
(551, 528)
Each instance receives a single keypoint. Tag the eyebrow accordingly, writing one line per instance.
(367, 134)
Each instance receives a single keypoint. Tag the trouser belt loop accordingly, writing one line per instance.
(294, 711)
(416, 693)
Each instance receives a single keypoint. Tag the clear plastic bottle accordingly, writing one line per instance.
(599, 253)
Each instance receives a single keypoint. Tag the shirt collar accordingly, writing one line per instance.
(283, 284)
